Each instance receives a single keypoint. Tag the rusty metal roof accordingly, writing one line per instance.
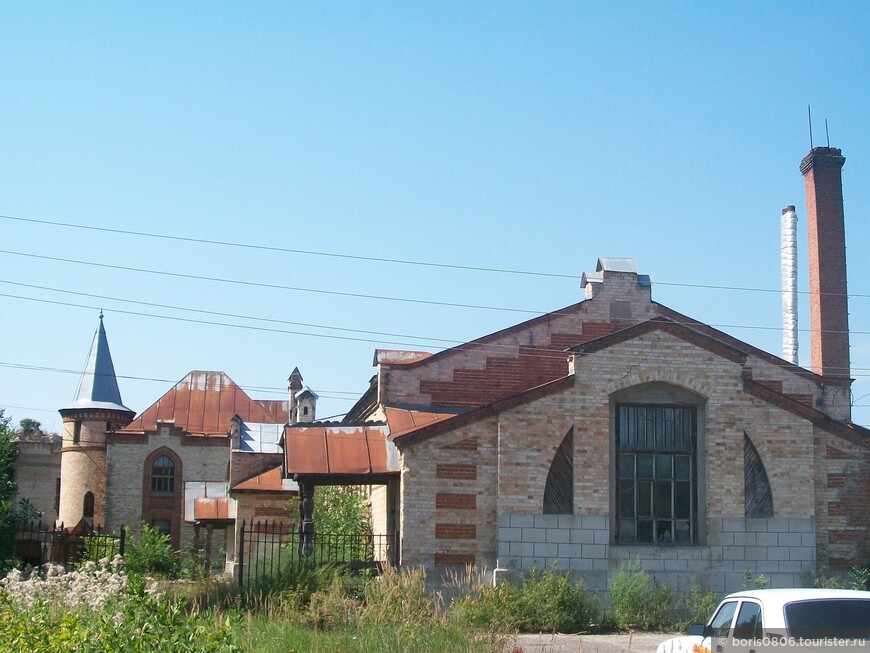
(270, 481)
(212, 510)
(402, 421)
(203, 403)
(336, 450)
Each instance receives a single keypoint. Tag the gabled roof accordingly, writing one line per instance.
(850, 432)
(204, 403)
(676, 329)
(98, 386)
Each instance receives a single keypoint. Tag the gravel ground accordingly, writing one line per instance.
(617, 643)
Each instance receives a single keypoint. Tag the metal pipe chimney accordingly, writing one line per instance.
(788, 262)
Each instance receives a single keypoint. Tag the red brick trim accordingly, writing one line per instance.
(456, 471)
(488, 410)
(837, 454)
(454, 559)
(120, 437)
(851, 433)
(455, 532)
(675, 329)
(469, 444)
(455, 501)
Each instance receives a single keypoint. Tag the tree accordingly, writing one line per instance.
(341, 510)
(8, 452)
(29, 427)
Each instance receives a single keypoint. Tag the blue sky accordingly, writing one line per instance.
(532, 137)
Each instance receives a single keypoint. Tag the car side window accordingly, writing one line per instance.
(721, 623)
(748, 624)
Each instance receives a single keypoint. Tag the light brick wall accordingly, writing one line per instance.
(842, 482)
(37, 469)
(516, 447)
(126, 472)
(519, 357)
(424, 515)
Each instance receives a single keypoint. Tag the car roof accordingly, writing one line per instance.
(780, 597)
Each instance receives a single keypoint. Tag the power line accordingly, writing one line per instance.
(287, 250)
(376, 259)
(225, 314)
(269, 286)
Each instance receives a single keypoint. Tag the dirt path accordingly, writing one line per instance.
(618, 643)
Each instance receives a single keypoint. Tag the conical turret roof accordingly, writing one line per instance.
(98, 386)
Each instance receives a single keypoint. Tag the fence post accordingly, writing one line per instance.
(123, 540)
(241, 553)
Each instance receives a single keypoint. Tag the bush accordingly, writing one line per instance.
(100, 610)
(151, 554)
(858, 578)
(637, 603)
(547, 601)
(699, 604)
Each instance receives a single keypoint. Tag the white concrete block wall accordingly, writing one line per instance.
(782, 550)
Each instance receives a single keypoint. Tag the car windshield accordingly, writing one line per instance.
(828, 618)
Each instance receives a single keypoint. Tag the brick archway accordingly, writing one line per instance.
(160, 507)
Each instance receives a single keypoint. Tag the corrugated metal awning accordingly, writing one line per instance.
(339, 450)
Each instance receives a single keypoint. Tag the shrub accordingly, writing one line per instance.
(636, 602)
(151, 554)
(858, 578)
(698, 604)
(98, 609)
(548, 601)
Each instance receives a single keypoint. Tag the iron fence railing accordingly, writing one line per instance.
(268, 550)
(37, 544)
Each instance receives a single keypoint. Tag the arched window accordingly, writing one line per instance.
(757, 497)
(163, 476)
(657, 427)
(88, 505)
(559, 490)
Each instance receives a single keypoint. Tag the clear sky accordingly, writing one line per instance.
(337, 139)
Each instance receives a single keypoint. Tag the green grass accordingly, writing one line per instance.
(260, 633)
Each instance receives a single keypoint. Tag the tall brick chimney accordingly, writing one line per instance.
(829, 304)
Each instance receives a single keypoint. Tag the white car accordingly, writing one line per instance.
(799, 620)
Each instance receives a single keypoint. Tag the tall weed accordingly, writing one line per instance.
(547, 601)
(638, 603)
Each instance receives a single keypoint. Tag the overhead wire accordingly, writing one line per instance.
(374, 259)
(310, 290)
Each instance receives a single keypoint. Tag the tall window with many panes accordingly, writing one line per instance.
(656, 474)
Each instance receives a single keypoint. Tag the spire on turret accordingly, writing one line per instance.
(98, 386)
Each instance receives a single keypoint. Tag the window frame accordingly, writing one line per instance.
(662, 519)
(162, 484)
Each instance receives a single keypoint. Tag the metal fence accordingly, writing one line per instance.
(37, 544)
(270, 550)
